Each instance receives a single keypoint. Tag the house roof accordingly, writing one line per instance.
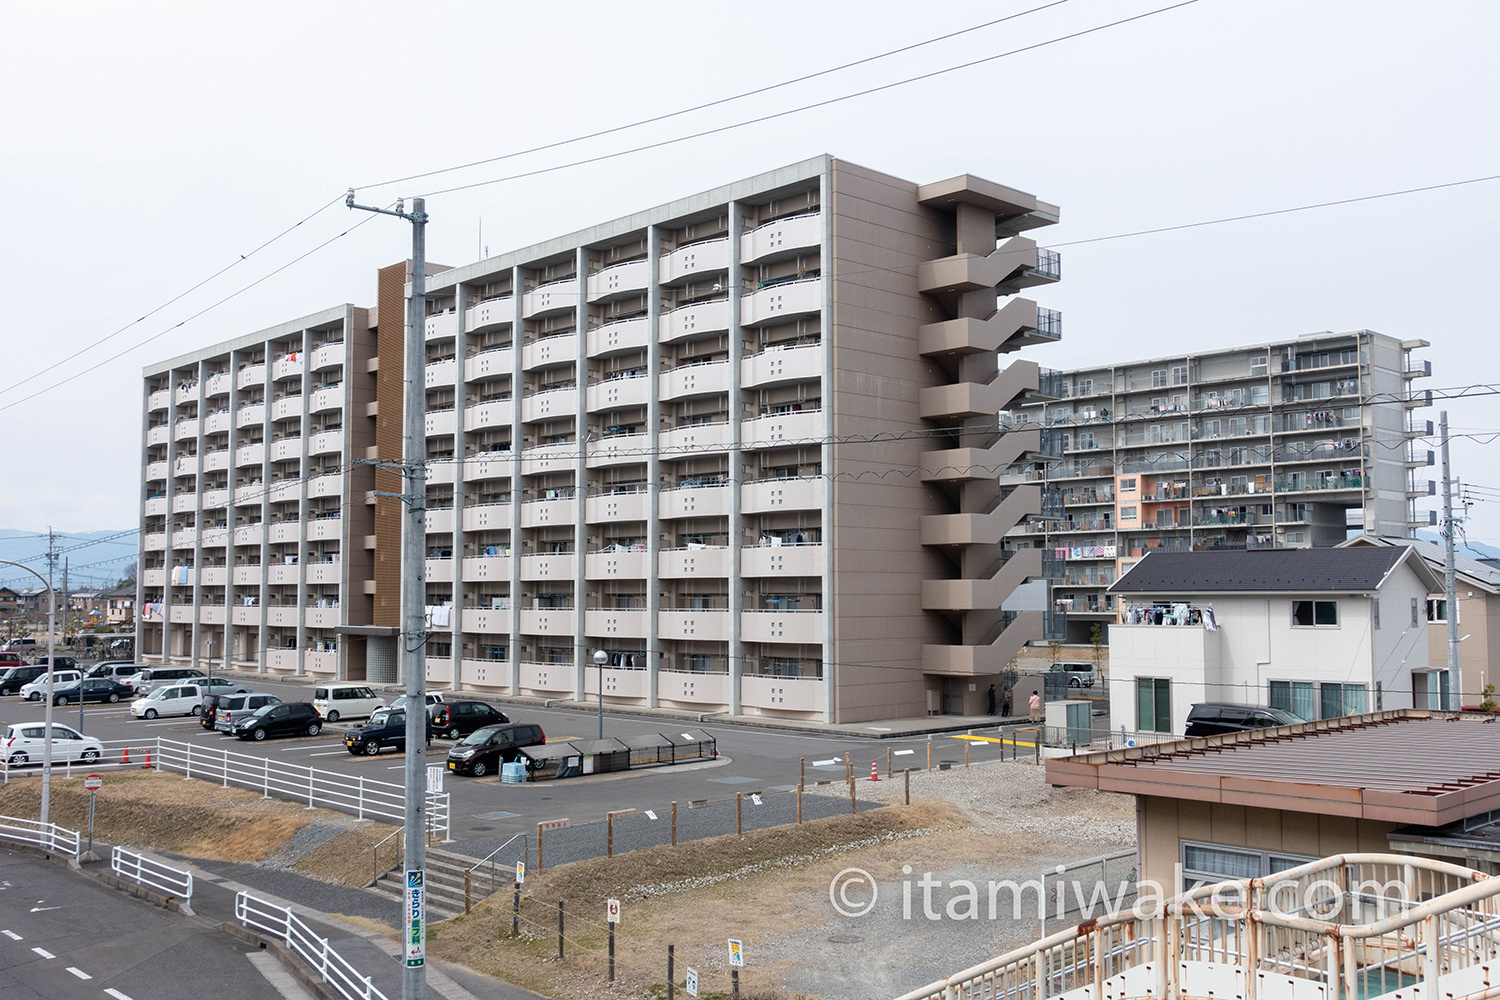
(1259, 571)
(1403, 766)
(1474, 571)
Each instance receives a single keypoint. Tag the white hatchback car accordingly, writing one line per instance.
(346, 701)
(27, 742)
(170, 699)
(37, 689)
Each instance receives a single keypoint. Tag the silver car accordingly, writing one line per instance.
(234, 707)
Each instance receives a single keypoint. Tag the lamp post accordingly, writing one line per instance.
(600, 659)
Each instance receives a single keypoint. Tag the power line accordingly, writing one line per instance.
(712, 104)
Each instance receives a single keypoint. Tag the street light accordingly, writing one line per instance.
(600, 659)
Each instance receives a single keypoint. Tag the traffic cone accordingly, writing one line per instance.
(147, 766)
(126, 759)
(874, 772)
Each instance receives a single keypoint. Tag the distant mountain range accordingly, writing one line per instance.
(95, 558)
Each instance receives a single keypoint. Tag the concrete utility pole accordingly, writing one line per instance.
(1450, 589)
(51, 651)
(414, 598)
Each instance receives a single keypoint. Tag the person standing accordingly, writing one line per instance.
(992, 700)
(1035, 707)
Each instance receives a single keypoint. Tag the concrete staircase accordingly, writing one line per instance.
(445, 883)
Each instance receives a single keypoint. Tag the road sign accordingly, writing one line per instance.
(736, 952)
(435, 780)
(650, 814)
(93, 782)
(416, 938)
(692, 981)
(520, 871)
(613, 911)
(755, 797)
(552, 824)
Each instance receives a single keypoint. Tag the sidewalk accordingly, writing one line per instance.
(321, 906)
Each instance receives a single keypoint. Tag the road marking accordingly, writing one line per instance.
(79, 973)
(825, 763)
(43, 909)
(117, 995)
(327, 753)
(44, 952)
(12, 935)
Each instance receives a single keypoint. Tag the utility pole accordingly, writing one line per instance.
(413, 636)
(66, 601)
(1450, 589)
(51, 678)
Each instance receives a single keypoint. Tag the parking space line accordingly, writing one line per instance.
(79, 972)
(12, 935)
(44, 952)
(117, 994)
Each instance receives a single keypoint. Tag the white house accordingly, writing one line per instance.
(1319, 632)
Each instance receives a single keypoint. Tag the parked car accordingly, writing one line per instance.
(210, 713)
(460, 718)
(386, 728)
(116, 669)
(1213, 719)
(171, 699)
(144, 680)
(100, 689)
(23, 645)
(12, 680)
(346, 701)
(33, 690)
(1080, 673)
(433, 699)
(27, 742)
(484, 750)
(215, 686)
(286, 718)
(60, 662)
(8, 660)
(233, 707)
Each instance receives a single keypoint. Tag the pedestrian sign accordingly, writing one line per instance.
(613, 911)
(520, 872)
(692, 981)
(736, 952)
(416, 938)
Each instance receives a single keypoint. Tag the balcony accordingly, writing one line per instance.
(187, 393)
(439, 520)
(782, 694)
(780, 365)
(694, 501)
(216, 461)
(552, 621)
(694, 439)
(439, 570)
(441, 423)
(285, 531)
(282, 615)
(286, 448)
(613, 393)
(778, 302)
(327, 485)
(249, 534)
(689, 381)
(154, 577)
(440, 374)
(281, 661)
(482, 517)
(286, 491)
(694, 320)
(617, 564)
(549, 458)
(217, 422)
(486, 569)
(559, 567)
(804, 627)
(619, 335)
(614, 623)
(250, 493)
(182, 614)
(490, 621)
(155, 507)
(159, 434)
(213, 576)
(553, 297)
(326, 443)
(155, 541)
(249, 375)
(782, 238)
(547, 677)
(549, 404)
(625, 505)
(320, 618)
(329, 356)
(159, 400)
(186, 465)
(691, 687)
(620, 280)
(694, 563)
(441, 326)
(215, 499)
(619, 682)
(325, 529)
(767, 495)
(156, 471)
(618, 449)
(250, 414)
(775, 430)
(185, 430)
(290, 366)
(491, 312)
(493, 414)
(703, 257)
(287, 407)
(781, 560)
(282, 573)
(703, 626)
(244, 615)
(247, 575)
(184, 538)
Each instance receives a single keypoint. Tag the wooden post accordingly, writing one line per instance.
(539, 847)
(848, 768)
(734, 983)
(515, 913)
(559, 930)
(467, 897)
(929, 753)
(907, 774)
(674, 824)
(671, 971)
(852, 806)
(799, 805)
(966, 754)
(611, 952)
(888, 762)
(739, 813)
(803, 779)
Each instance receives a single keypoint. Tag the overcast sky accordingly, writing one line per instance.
(150, 144)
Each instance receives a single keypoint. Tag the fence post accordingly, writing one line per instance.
(848, 768)
(187, 767)
(515, 912)
(611, 952)
(559, 930)
(311, 793)
(468, 899)
(1037, 736)
(539, 847)
(852, 808)
(671, 971)
(739, 814)
(674, 830)
(888, 762)
(929, 751)
(609, 835)
(799, 805)
(803, 779)
(224, 766)
(966, 754)
(734, 983)
(907, 774)
(265, 778)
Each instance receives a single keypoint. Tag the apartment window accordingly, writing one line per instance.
(1127, 485)
(1298, 697)
(1258, 365)
(1159, 378)
(1129, 513)
(1437, 609)
(1085, 386)
(1341, 699)
(1309, 614)
(1179, 375)
(1153, 705)
(1296, 537)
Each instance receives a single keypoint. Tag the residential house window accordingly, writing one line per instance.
(1307, 614)
(1341, 699)
(1374, 612)
(1416, 612)
(1204, 864)
(1153, 697)
(1437, 609)
(1298, 697)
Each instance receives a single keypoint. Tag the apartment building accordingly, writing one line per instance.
(1292, 443)
(745, 444)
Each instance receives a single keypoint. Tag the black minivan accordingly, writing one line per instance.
(1214, 719)
(12, 679)
(484, 750)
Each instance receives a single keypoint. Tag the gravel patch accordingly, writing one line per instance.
(310, 838)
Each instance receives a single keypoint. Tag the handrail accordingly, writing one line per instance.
(375, 857)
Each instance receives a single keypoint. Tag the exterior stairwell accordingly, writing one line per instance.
(444, 878)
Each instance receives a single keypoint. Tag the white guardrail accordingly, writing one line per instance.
(153, 873)
(287, 928)
(365, 798)
(48, 836)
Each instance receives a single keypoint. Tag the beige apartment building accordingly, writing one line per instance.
(1291, 443)
(744, 443)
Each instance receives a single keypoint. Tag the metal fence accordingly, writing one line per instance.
(286, 927)
(150, 872)
(48, 836)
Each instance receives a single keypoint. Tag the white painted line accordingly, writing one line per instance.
(879, 729)
(830, 760)
(12, 935)
(79, 973)
(117, 995)
(328, 753)
(899, 753)
(44, 952)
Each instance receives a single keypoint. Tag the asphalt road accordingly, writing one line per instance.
(753, 761)
(63, 937)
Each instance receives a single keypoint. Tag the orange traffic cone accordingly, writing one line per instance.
(147, 766)
(874, 772)
(126, 759)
